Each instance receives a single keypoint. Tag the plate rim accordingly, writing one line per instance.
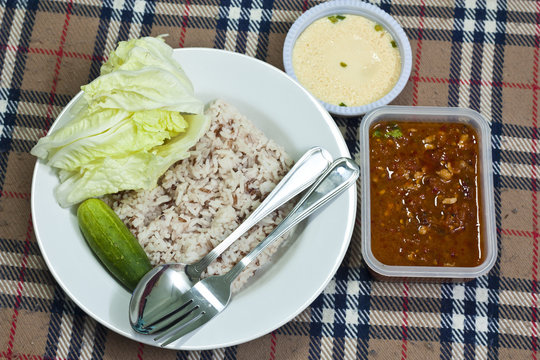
(351, 214)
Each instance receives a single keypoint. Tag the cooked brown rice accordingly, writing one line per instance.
(202, 199)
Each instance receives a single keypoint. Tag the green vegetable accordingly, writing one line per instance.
(335, 18)
(378, 27)
(112, 242)
(134, 121)
(393, 43)
(342, 104)
(343, 64)
(376, 133)
(395, 133)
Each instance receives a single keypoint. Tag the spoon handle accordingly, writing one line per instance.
(342, 173)
(304, 173)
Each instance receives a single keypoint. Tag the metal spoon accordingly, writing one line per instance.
(155, 294)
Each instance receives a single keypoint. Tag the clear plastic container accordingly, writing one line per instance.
(485, 181)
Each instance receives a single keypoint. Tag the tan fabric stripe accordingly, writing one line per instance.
(25, 133)
(285, 15)
(31, 289)
(511, 169)
(326, 347)
(515, 327)
(415, 319)
(517, 298)
(65, 336)
(87, 341)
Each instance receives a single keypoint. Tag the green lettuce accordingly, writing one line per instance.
(134, 121)
(140, 170)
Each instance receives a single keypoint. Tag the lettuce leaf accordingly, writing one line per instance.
(140, 131)
(141, 170)
(134, 121)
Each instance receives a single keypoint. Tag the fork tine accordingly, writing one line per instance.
(181, 315)
(158, 314)
(183, 329)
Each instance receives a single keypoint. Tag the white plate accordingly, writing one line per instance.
(286, 113)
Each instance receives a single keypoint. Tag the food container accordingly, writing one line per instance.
(366, 10)
(485, 183)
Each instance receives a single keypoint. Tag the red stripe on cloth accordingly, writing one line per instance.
(534, 266)
(140, 351)
(23, 49)
(71, 54)
(405, 321)
(513, 232)
(184, 25)
(15, 195)
(42, 51)
(418, 53)
(305, 6)
(4, 355)
(60, 54)
(273, 345)
(24, 261)
(474, 82)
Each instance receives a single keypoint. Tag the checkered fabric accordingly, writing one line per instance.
(479, 54)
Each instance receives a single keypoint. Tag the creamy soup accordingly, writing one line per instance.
(346, 60)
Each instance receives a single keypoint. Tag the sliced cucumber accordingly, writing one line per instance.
(112, 242)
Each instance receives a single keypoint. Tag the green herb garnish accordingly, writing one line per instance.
(343, 64)
(395, 133)
(377, 133)
(378, 27)
(393, 43)
(342, 104)
(335, 18)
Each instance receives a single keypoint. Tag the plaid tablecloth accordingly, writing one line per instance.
(480, 54)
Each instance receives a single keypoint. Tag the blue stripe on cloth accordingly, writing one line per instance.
(206, 355)
(148, 18)
(222, 24)
(476, 76)
(446, 321)
(9, 92)
(77, 332)
(101, 37)
(517, 157)
(495, 273)
(455, 57)
(230, 353)
(57, 311)
(100, 339)
(126, 15)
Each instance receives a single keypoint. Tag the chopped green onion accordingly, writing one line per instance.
(378, 27)
(377, 133)
(342, 104)
(335, 18)
(394, 45)
(395, 133)
(343, 64)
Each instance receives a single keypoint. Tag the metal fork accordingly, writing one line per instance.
(211, 295)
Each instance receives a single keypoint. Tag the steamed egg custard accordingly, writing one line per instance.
(346, 60)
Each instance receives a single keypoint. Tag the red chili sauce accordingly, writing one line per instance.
(424, 194)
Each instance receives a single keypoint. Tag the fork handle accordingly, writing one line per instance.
(304, 173)
(342, 173)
